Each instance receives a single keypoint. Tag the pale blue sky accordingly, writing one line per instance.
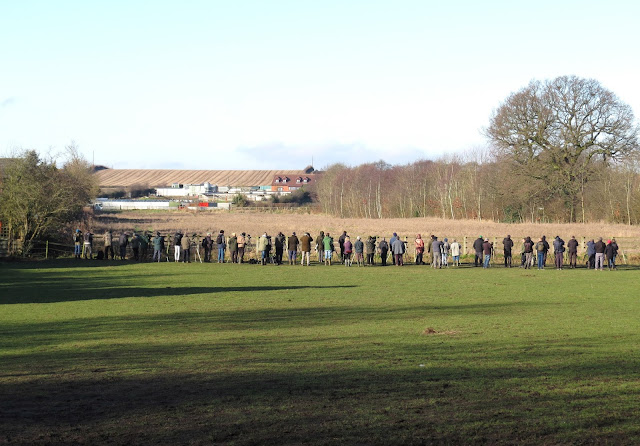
(269, 84)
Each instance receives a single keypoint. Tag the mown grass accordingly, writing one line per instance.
(119, 353)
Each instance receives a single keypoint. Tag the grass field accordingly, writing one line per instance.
(120, 353)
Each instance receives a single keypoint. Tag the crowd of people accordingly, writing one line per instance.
(363, 251)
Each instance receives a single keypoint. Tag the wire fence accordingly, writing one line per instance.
(629, 250)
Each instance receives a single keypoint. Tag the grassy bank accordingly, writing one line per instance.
(168, 353)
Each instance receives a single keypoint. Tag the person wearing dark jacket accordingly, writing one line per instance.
(545, 251)
(123, 241)
(615, 247)
(221, 244)
(383, 248)
(610, 252)
(305, 248)
(591, 254)
(278, 244)
(477, 247)
(158, 246)
(177, 239)
(528, 252)
(600, 247)
(319, 247)
(572, 248)
(507, 245)
(341, 240)
(292, 248)
(558, 248)
(207, 244)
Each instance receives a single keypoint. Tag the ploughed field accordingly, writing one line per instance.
(169, 353)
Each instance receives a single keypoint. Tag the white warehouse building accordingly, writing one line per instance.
(186, 190)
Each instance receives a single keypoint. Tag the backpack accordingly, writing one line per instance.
(220, 239)
(540, 246)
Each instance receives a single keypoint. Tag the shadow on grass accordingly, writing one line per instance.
(333, 402)
(66, 291)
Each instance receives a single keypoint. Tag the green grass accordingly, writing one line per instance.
(243, 354)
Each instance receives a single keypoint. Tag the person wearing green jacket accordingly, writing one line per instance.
(327, 243)
(262, 246)
(158, 246)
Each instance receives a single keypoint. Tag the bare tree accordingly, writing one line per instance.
(554, 131)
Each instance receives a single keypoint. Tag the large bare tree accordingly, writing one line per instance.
(553, 133)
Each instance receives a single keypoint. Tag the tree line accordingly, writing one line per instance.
(562, 150)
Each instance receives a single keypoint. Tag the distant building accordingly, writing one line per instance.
(286, 184)
(187, 190)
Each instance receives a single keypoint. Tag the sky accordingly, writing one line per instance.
(276, 84)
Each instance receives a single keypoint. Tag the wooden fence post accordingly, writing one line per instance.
(464, 246)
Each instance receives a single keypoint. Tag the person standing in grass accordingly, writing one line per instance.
(383, 249)
(185, 244)
(507, 245)
(436, 249)
(348, 249)
(278, 244)
(392, 240)
(221, 244)
(455, 252)
(242, 241)
(527, 247)
(341, 240)
(292, 248)
(446, 246)
(545, 251)
(358, 247)
(610, 253)
(88, 245)
(540, 252)
(477, 247)
(327, 243)
(233, 247)
(615, 250)
(77, 243)
(207, 245)
(370, 250)
(177, 238)
(108, 245)
(123, 241)
(558, 249)
(591, 254)
(419, 246)
(600, 248)
(319, 246)
(135, 246)
(262, 248)
(487, 250)
(398, 249)
(572, 248)
(158, 246)
(305, 248)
